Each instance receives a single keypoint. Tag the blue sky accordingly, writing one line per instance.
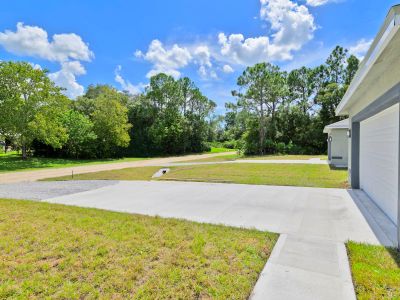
(122, 43)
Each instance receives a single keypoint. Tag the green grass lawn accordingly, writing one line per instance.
(220, 150)
(268, 174)
(286, 157)
(236, 156)
(14, 162)
(375, 271)
(64, 252)
(140, 173)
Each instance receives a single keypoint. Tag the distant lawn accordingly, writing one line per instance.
(220, 150)
(268, 174)
(375, 270)
(61, 252)
(286, 157)
(236, 156)
(14, 162)
(140, 173)
(227, 157)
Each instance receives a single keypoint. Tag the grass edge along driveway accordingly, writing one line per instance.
(306, 175)
(72, 253)
(375, 271)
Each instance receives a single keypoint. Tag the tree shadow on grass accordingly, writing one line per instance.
(395, 253)
(14, 162)
(335, 168)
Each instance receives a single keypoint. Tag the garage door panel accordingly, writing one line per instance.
(379, 154)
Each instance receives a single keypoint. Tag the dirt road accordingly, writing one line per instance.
(34, 175)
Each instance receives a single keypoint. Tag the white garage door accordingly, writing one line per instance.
(379, 154)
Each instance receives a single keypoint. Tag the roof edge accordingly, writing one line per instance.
(385, 34)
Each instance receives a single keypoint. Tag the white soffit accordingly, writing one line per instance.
(378, 46)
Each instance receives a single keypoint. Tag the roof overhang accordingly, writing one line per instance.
(376, 61)
(341, 125)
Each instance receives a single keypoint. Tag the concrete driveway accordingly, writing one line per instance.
(309, 260)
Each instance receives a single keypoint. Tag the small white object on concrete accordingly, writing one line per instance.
(160, 173)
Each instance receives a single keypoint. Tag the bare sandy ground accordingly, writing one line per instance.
(34, 175)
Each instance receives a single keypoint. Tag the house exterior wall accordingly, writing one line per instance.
(390, 100)
(379, 164)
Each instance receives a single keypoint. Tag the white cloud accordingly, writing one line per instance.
(360, 48)
(66, 78)
(165, 60)
(319, 2)
(293, 23)
(170, 60)
(292, 26)
(67, 48)
(34, 41)
(227, 69)
(203, 56)
(206, 73)
(36, 66)
(125, 84)
(238, 50)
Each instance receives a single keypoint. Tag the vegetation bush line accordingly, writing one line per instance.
(275, 112)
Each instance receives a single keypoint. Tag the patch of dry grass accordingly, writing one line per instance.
(139, 173)
(65, 252)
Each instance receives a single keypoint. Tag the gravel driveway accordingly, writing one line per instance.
(45, 190)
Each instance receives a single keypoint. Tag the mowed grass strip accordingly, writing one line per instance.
(230, 157)
(375, 271)
(245, 173)
(285, 157)
(65, 252)
(306, 175)
(140, 173)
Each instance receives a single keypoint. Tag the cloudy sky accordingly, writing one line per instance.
(124, 42)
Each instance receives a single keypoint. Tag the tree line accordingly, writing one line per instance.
(285, 112)
(275, 111)
(170, 117)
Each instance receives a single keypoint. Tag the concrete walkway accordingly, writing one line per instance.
(34, 175)
(309, 260)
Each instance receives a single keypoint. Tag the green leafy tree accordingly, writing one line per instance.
(329, 98)
(111, 126)
(351, 69)
(301, 87)
(80, 135)
(107, 109)
(335, 65)
(171, 117)
(31, 106)
(262, 88)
